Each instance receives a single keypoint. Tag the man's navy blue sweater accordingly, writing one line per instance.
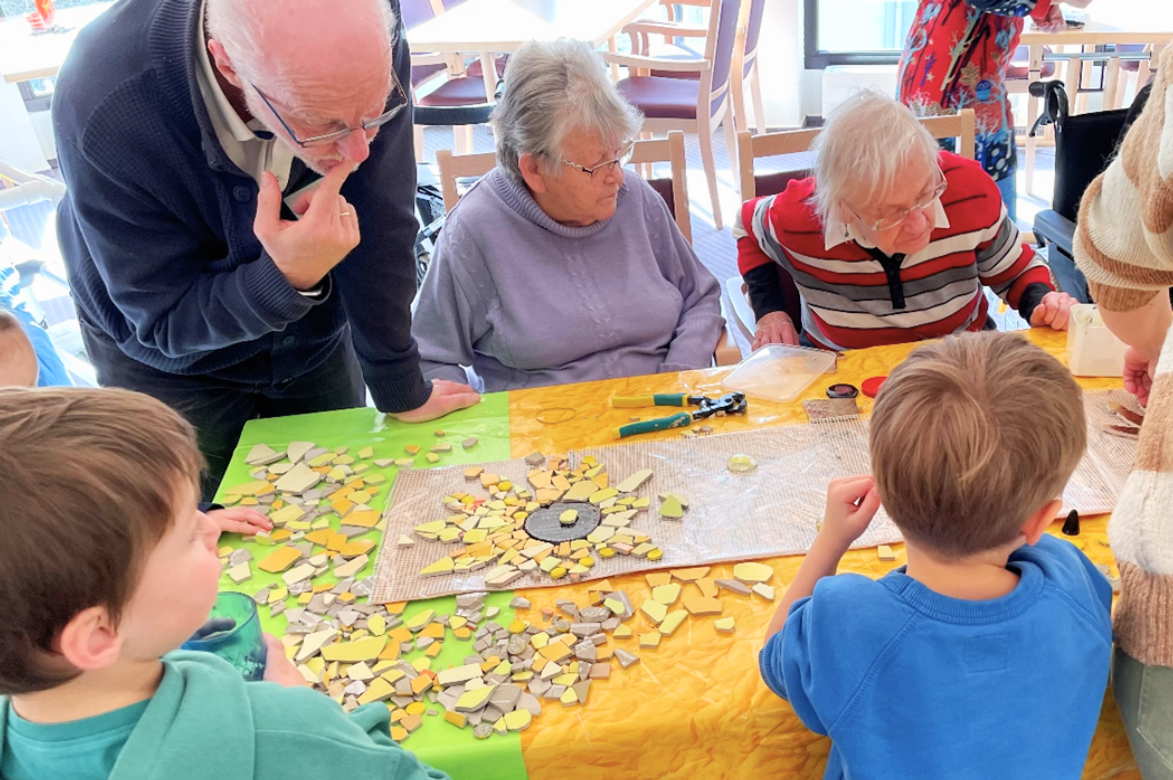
(157, 226)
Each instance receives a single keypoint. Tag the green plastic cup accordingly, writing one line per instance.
(233, 632)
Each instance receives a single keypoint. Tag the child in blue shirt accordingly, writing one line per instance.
(987, 656)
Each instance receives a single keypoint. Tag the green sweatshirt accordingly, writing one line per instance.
(205, 722)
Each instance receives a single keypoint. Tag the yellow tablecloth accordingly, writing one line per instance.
(695, 707)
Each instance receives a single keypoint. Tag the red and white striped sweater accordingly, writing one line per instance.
(850, 300)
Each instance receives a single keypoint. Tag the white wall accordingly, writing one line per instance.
(780, 62)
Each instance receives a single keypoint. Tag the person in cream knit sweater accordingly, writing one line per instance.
(1124, 245)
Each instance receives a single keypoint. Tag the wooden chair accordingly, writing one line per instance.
(691, 105)
(674, 191)
(962, 126)
(745, 66)
(745, 57)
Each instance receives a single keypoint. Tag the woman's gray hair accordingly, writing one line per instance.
(242, 31)
(552, 88)
(867, 144)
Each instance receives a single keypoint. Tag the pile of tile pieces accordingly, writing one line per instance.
(302, 489)
(490, 527)
(357, 653)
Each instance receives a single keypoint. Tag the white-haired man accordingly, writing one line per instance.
(205, 273)
(891, 241)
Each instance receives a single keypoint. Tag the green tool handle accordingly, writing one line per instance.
(660, 399)
(681, 420)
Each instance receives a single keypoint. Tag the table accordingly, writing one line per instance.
(695, 707)
(1092, 34)
(487, 27)
(23, 57)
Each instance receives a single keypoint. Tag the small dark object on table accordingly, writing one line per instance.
(1071, 526)
(842, 390)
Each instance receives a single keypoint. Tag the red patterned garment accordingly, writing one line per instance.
(956, 57)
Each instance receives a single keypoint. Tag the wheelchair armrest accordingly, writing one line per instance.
(1053, 228)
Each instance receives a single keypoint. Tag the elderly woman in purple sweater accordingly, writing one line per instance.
(560, 266)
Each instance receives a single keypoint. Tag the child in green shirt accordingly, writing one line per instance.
(106, 567)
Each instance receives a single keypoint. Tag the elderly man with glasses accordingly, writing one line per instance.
(892, 240)
(560, 266)
(239, 228)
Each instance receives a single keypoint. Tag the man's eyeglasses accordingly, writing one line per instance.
(604, 167)
(894, 220)
(325, 139)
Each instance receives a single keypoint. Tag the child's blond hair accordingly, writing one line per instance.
(972, 435)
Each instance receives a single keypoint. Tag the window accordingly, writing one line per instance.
(850, 32)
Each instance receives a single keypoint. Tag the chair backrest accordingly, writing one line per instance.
(670, 150)
(753, 31)
(720, 44)
(962, 125)
(416, 12)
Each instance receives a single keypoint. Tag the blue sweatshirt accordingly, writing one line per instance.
(911, 684)
(157, 226)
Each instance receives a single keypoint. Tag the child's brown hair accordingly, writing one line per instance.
(972, 435)
(88, 485)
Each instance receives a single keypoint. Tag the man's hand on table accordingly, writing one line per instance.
(240, 520)
(775, 328)
(307, 249)
(1053, 311)
(446, 397)
(278, 668)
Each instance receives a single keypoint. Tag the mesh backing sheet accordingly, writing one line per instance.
(770, 511)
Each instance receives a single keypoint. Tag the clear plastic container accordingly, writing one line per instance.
(778, 372)
(1092, 349)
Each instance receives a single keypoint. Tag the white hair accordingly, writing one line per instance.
(867, 144)
(552, 88)
(243, 33)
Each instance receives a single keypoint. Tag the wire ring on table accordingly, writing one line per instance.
(571, 413)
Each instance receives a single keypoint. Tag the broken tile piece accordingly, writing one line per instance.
(298, 479)
(279, 560)
(666, 594)
(240, 572)
(671, 508)
(764, 590)
(654, 610)
(648, 641)
(474, 699)
(633, 483)
(752, 573)
(625, 658)
(690, 575)
(724, 625)
(885, 553)
(734, 586)
(703, 606)
(469, 443)
(672, 622)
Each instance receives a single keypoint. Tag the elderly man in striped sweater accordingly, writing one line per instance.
(891, 241)
(1124, 246)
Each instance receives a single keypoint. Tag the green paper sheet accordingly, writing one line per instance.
(438, 743)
